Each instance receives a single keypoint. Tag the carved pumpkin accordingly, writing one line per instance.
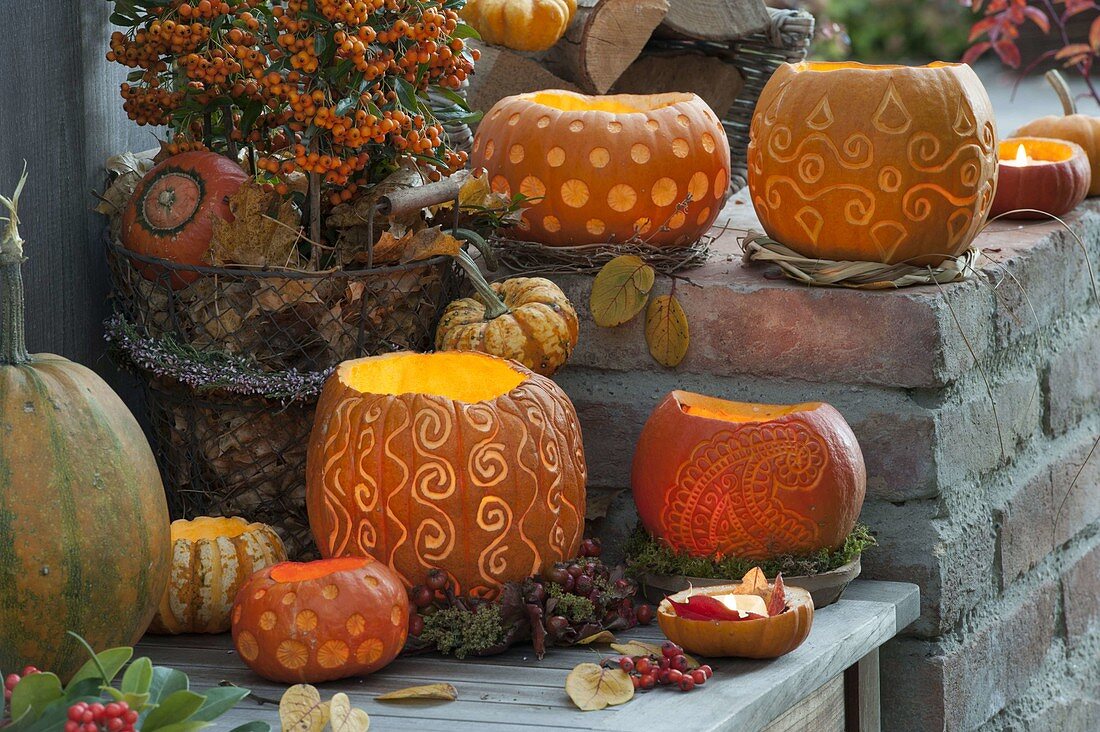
(524, 25)
(83, 517)
(1054, 180)
(526, 319)
(608, 168)
(318, 621)
(1072, 127)
(715, 477)
(454, 460)
(211, 559)
(171, 215)
(769, 637)
(873, 163)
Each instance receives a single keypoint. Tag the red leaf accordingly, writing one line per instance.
(975, 52)
(981, 27)
(1074, 49)
(1038, 17)
(1008, 53)
(1073, 7)
(705, 607)
(777, 603)
(1094, 35)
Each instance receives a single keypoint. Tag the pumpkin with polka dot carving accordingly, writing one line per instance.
(171, 214)
(610, 168)
(318, 621)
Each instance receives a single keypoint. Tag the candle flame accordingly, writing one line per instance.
(1021, 155)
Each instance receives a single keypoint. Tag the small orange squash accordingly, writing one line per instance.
(607, 168)
(768, 637)
(525, 25)
(1081, 129)
(1054, 181)
(211, 559)
(715, 477)
(526, 319)
(456, 460)
(318, 621)
(873, 163)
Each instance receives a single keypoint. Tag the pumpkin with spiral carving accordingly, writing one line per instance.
(718, 478)
(455, 460)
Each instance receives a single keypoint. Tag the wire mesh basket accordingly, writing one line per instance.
(232, 360)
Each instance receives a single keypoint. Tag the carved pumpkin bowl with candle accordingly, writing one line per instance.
(1040, 176)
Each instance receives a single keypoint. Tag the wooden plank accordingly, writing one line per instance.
(821, 711)
(861, 695)
(514, 691)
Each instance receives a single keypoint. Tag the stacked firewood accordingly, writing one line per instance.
(630, 47)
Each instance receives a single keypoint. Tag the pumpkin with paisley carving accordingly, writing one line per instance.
(605, 169)
(455, 460)
(211, 558)
(890, 164)
(318, 621)
(719, 478)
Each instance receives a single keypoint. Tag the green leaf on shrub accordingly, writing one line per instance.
(219, 700)
(253, 726)
(138, 677)
(177, 707)
(166, 681)
(34, 693)
(109, 662)
(188, 726)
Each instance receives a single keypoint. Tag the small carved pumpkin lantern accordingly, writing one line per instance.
(1039, 176)
(211, 559)
(873, 163)
(607, 168)
(456, 460)
(714, 477)
(318, 621)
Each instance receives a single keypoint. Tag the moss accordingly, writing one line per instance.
(462, 632)
(644, 554)
(574, 608)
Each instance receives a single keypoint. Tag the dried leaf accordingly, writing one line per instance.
(442, 692)
(429, 243)
(604, 636)
(593, 687)
(666, 330)
(301, 709)
(777, 601)
(264, 231)
(620, 290)
(705, 607)
(128, 169)
(343, 717)
(753, 583)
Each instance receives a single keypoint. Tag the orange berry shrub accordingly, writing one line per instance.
(335, 89)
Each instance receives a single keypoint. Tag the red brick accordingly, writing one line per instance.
(1081, 597)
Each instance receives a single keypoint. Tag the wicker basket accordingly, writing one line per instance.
(787, 40)
(238, 447)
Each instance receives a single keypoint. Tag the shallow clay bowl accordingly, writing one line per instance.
(825, 588)
(762, 638)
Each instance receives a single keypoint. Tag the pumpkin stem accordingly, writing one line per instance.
(1061, 88)
(494, 306)
(13, 342)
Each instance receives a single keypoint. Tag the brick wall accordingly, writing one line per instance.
(970, 502)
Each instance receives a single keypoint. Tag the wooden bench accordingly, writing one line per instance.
(830, 683)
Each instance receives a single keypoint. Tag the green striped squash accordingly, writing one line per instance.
(84, 531)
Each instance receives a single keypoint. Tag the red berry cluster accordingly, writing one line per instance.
(113, 717)
(672, 668)
(11, 680)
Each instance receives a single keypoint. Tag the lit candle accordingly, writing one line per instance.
(1022, 158)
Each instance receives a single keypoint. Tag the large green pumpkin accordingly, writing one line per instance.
(84, 530)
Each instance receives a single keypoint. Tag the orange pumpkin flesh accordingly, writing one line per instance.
(171, 214)
(714, 477)
(760, 638)
(1056, 180)
(455, 460)
(319, 621)
(601, 169)
(873, 163)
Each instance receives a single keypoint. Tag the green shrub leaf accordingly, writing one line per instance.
(175, 708)
(34, 693)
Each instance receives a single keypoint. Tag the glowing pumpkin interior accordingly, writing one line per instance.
(616, 103)
(1039, 149)
(291, 572)
(827, 66)
(459, 376)
(208, 527)
(698, 405)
